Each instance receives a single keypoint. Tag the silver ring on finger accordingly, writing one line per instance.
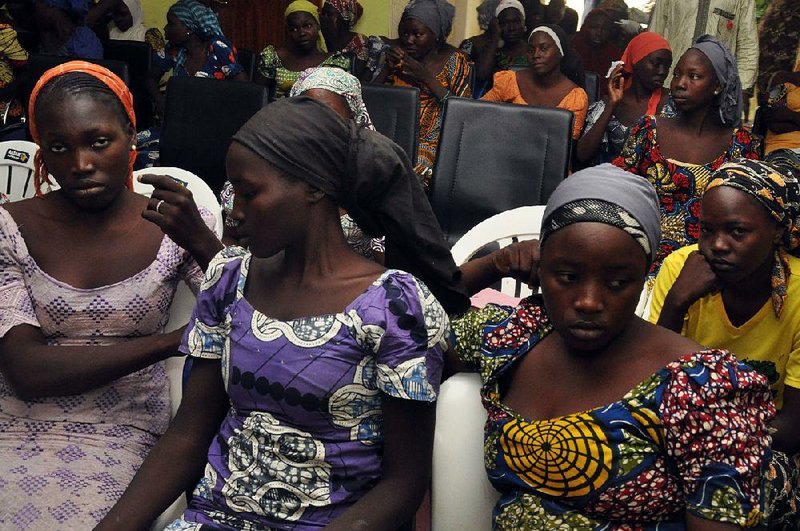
(158, 205)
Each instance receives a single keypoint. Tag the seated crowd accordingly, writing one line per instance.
(330, 310)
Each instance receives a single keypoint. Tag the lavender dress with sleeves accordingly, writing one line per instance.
(65, 460)
(303, 438)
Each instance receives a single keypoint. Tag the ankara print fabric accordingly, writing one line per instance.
(303, 439)
(692, 437)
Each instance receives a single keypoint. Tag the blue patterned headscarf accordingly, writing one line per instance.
(198, 19)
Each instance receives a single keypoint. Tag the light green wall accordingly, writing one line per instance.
(155, 13)
(374, 22)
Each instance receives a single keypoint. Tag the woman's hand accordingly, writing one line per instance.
(415, 70)
(696, 280)
(394, 59)
(616, 87)
(519, 261)
(173, 209)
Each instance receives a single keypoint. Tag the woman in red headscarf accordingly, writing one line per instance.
(635, 89)
(85, 290)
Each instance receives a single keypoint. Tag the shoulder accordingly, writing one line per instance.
(678, 257)
(227, 268)
(411, 306)
(11, 241)
(269, 56)
(576, 99)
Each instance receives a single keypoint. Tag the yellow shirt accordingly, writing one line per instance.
(769, 345)
(786, 140)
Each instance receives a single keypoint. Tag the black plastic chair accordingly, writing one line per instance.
(200, 117)
(493, 157)
(138, 56)
(395, 113)
(247, 58)
(592, 86)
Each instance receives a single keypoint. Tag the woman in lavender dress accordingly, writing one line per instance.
(85, 289)
(310, 401)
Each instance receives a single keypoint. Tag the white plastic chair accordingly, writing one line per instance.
(16, 169)
(523, 223)
(183, 302)
(461, 496)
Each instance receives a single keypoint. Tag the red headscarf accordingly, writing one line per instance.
(640, 47)
(111, 80)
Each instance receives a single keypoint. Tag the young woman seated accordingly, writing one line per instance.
(738, 288)
(554, 79)
(85, 291)
(597, 418)
(310, 400)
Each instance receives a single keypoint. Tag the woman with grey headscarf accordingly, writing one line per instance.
(598, 419)
(425, 60)
(473, 45)
(677, 155)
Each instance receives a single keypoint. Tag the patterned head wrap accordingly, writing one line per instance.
(729, 101)
(338, 81)
(780, 195)
(304, 6)
(108, 78)
(513, 4)
(610, 195)
(486, 13)
(350, 10)
(367, 174)
(198, 19)
(437, 15)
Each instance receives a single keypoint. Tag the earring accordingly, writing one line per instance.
(716, 93)
(133, 147)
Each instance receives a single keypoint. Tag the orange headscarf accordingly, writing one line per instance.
(640, 47)
(111, 80)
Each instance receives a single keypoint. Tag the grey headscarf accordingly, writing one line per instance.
(367, 174)
(486, 13)
(437, 15)
(606, 194)
(729, 100)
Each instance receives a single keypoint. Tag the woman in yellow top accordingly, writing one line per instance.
(739, 289)
(554, 79)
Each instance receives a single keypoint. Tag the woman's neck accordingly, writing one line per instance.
(698, 121)
(639, 92)
(196, 47)
(548, 80)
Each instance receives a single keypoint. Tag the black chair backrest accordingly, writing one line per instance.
(592, 86)
(395, 113)
(138, 56)
(38, 64)
(760, 123)
(200, 117)
(247, 58)
(493, 157)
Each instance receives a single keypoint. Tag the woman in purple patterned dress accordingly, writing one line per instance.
(310, 401)
(85, 289)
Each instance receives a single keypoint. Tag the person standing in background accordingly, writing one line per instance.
(733, 22)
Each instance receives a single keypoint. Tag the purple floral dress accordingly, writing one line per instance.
(303, 438)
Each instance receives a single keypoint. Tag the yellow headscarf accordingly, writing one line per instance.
(304, 6)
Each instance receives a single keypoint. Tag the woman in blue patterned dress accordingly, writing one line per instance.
(315, 370)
